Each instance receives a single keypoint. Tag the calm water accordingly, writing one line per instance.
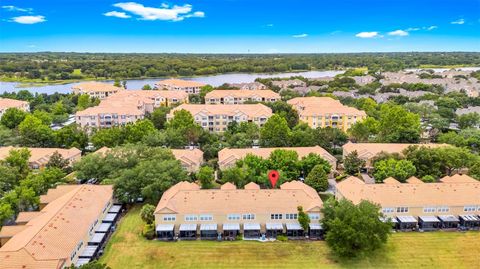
(215, 80)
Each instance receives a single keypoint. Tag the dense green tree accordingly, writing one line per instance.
(331, 139)
(469, 120)
(286, 111)
(353, 230)
(398, 169)
(35, 133)
(317, 178)
(71, 136)
(108, 137)
(275, 132)
(397, 125)
(9, 178)
(352, 163)
(364, 131)
(184, 124)
(303, 136)
(303, 218)
(308, 162)
(474, 170)
(147, 213)
(12, 117)
(40, 182)
(146, 87)
(18, 159)
(235, 175)
(285, 161)
(159, 116)
(206, 177)
(135, 132)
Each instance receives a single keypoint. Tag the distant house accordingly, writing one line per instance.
(227, 157)
(215, 118)
(240, 96)
(251, 86)
(39, 157)
(367, 151)
(188, 86)
(283, 84)
(67, 230)
(468, 110)
(6, 103)
(97, 90)
(189, 212)
(191, 159)
(326, 112)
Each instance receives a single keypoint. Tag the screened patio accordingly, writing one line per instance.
(208, 231)
(251, 230)
(294, 230)
(470, 222)
(231, 230)
(448, 221)
(165, 231)
(428, 223)
(315, 231)
(406, 223)
(188, 231)
(97, 239)
(273, 230)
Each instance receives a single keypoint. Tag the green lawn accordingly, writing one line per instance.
(127, 249)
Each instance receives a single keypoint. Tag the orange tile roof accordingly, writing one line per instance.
(49, 239)
(190, 155)
(180, 83)
(242, 94)
(9, 231)
(312, 106)
(120, 108)
(8, 103)
(94, 86)
(252, 110)
(369, 150)
(42, 155)
(152, 94)
(454, 193)
(27, 216)
(188, 198)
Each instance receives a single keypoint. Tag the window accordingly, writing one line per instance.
(429, 210)
(276, 216)
(443, 209)
(248, 216)
(402, 209)
(314, 216)
(206, 217)
(169, 217)
(388, 210)
(191, 217)
(233, 216)
(469, 208)
(291, 216)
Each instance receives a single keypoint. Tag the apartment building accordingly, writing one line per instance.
(367, 151)
(68, 230)
(240, 96)
(186, 212)
(227, 157)
(451, 202)
(6, 103)
(216, 118)
(251, 86)
(97, 90)
(39, 157)
(326, 112)
(150, 99)
(188, 86)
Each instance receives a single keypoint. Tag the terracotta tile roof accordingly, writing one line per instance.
(96, 87)
(185, 197)
(9, 231)
(180, 83)
(414, 180)
(148, 95)
(369, 150)
(242, 94)
(457, 178)
(54, 194)
(228, 155)
(113, 107)
(252, 110)
(454, 193)
(189, 155)
(228, 186)
(312, 106)
(50, 238)
(42, 155)
(27, 216)
(8, 103)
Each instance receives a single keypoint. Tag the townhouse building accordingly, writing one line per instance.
(326, 112)
(215, 118)
(39, 157)
(188, 86)
(99, 90)
(6, 103)
(251, 86)
(284, 84)
(241, 96)
(186, 212)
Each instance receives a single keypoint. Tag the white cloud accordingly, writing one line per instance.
(430, 28)
(14, 8)
(300, 35)
(29, 19)
(163, 13)
(459, 21)
(412, 29)
(269, 25)
(117, 14)
(398, 33)
(367, 34)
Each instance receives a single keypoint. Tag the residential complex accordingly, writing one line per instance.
(191, 159)
(216, 118)
(284, 84)
(252, 86)
(240, 96)
(445, 204)
(97, 90)
(39, 157)
(367, 151)
(186, 212)
(188, 86)
(68, 230)
(326, 112)
(127, 107)
(6, 103)
(227, 157)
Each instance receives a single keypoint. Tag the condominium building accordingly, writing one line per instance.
(97, 90)
(326, 112)
(39, 157)
(251, 86)
(240, 96)
(126, 107)
(367, 151)
(6, 103)
(185, 211)
(188, 86)
(68, 230)
(227, 157)
(455, 199)
(191, 159)
(216, 118)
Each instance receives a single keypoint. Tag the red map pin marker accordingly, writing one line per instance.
(273, 176)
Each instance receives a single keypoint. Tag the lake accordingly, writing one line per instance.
(215, 80)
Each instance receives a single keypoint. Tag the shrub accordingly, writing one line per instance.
(282, 238)
(149, 231)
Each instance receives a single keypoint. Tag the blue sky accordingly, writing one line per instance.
(239, 26)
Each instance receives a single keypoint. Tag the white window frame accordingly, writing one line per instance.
(248, 216)
(429, 209)
(469, 208)
(233, 216)
(276, 216)
(191, 217)
(402, 209)
(314, 216)
(443, 209)
(291, 216)
(206, 217)
(388, 210)
(169, 217)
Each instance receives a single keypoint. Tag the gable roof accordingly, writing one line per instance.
(180, 83)
(308, 106)
(242, 94)
(42, 155)
(252, 110)
(369, 150)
